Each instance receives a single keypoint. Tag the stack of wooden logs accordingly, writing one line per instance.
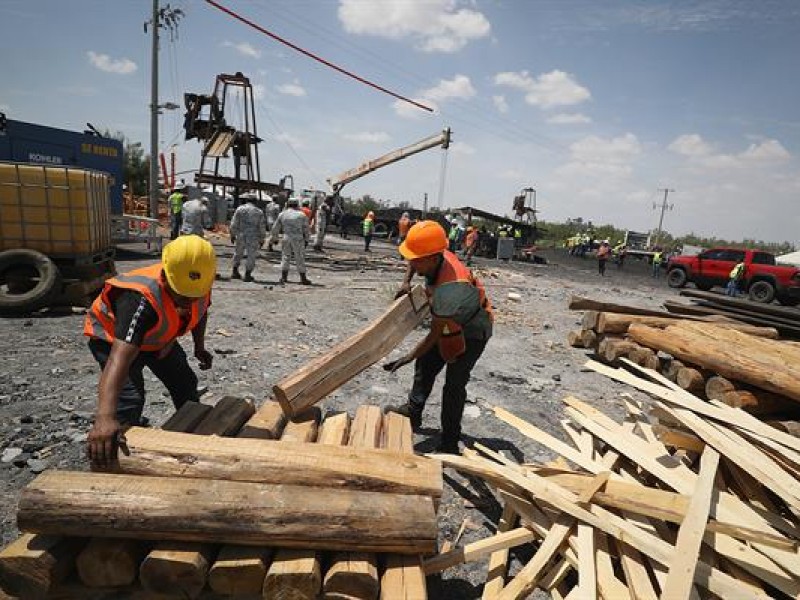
(622, 514)
(263, 514)
(713, 357)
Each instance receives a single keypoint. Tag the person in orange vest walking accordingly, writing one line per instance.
(461, 326)
(134, 323)
(470, 244)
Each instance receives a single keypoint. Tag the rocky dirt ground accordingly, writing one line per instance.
(261, 331)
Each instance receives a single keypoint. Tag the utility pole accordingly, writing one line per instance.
(161, 17)
(425, 206)
(664, 207)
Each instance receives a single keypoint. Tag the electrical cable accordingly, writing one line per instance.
(316, 57)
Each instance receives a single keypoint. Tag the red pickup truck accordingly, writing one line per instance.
(764, 281)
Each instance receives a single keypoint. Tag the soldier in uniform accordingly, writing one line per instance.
(293, 223)
(248, 232)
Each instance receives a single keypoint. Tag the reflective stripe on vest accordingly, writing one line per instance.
(147, 281)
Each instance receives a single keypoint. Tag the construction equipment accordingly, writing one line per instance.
(525, 206)
(222, 138)
(440, 139)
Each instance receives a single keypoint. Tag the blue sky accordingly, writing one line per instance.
(595, 104)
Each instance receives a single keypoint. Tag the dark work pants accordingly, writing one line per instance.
(173, 370)
(176, 220)
(454, 394)
(601, 266)
(367, 242)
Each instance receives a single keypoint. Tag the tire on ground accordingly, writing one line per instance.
(762, 291)
(38, 295)
(676, 278)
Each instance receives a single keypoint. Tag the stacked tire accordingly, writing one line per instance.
(28, 281)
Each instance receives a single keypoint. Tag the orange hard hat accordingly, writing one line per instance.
(423, 239)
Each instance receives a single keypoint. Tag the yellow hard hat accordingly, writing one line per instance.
(424, 239)
(190, 265)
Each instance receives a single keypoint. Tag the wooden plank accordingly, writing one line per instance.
(266, 424)
(167, 454)
(321, 376)
(498, 561)
(32, 565)
(619, 323)
(297, 574)
(355, 574)
(580, 303)
(226, 418)
(187, 417)
(608, 584)
(304, 426)
(478, 550)
(690, 534)
(587, 570)
(753, 307)
(677, 438)
(636, 575)
(403, 577)
(132, 506)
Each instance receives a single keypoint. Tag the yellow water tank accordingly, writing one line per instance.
(59, 211)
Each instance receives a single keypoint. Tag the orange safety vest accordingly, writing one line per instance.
(472, 238)
(307, 212)
(147, 281)
(452, 343)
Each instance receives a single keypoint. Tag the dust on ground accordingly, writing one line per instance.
(259, 332)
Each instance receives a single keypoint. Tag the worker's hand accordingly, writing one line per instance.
(103, 441)
(204, 357)
(403, 290)
(393, 365)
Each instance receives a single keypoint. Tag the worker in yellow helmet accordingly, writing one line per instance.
(460, 328)
(134, 323)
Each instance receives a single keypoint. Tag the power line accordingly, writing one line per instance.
(316, 57)
(664, 207)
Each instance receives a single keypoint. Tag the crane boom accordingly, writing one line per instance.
(440, 139)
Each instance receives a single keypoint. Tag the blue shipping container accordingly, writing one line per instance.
(29, 143)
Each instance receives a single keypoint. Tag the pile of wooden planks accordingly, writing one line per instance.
(257, 513)
(622, 514)
(745, 366)
(785, 319)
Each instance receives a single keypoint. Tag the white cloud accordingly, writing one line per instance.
(368, 137)
(500, 104)
(243, 48)
(460, 87)
(690, 145)
(555, 88)
(768, 150)
(292, 89)
(616, 150)
(462, 148)
(569, 119)
(104, 62)
(433, 25)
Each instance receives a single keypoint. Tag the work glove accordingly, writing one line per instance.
(393, 365)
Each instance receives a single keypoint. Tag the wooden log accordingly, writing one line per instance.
(162, 453)
(32, 565)
(187, 417)
(304, 426)
(226, 418)
(644, 357)
(266, 424)
(671, 371)
(574, 339)
(611, 349)
(759, 362)
(580, 303)
(403, 576)
(784, 326)
(716, 386)
(753, 307)
(691, 380)
(619, 323)
(355, 574)
(215, 511)
(297, 574)
(321, 376)
(183, 569)
(589, 338)
(589, 320)
(110, 562)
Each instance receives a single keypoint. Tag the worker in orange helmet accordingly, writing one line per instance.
(460, 328)
(135, 323)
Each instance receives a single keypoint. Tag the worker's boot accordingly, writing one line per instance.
(248, 276)
(407, 410)
(236, 274)
(448, 446)
(284, 276)
(305, 280)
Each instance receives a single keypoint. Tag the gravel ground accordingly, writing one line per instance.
(261, 331)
